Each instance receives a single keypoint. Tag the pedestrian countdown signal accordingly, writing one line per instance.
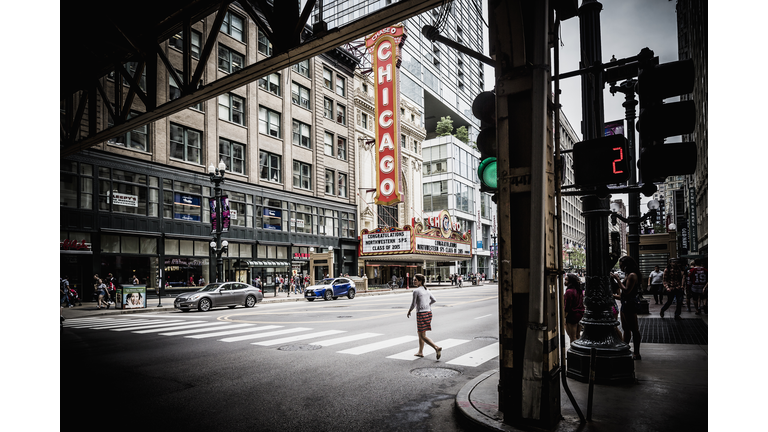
(601, 161)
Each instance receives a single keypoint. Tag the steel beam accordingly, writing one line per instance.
(336, 37)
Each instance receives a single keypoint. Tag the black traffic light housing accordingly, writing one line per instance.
(659, 120)
(484, 108)
(601, 161)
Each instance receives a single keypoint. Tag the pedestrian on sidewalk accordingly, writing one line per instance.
(673, 286)
(629, 302)
(656, 282)
(460, 280)
(64, 289)
(422, 301)
(698, 277)
(101, 291)
(573, 301)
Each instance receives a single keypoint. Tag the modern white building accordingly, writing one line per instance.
(574, 238)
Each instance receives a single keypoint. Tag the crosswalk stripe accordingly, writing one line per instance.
(101, 325)
(200, 330)
(261, 335)
(344, 339)
(378, 345)
(229, 332)
(164, 324)
(477, 357)
(298, 338)
(175, 327)
(444, 344)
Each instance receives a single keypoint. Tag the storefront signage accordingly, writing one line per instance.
(125, 199)
(299, 256)
(394, 241)
(435, 246)
(385, 48)
(74, 245)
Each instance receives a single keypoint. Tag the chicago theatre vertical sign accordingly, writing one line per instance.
(384, 46)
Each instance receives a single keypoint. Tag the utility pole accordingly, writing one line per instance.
(529, 385)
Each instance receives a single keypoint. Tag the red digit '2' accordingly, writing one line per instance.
(621, 158)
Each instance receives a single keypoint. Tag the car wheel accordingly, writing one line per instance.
(250, 301)
(351, 294)
(310, 299)
(328, 295)
(204, 305)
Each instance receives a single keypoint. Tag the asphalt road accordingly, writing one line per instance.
(354, 371)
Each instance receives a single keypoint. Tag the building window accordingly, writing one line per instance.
(342, 185)
(128, 192)
(330, 182)
(348, 228)
(300, 95)
(136, 139)
(130, 67)
(233, 155)
(174, 92)
(341, 148)
(341, 114)
(229, 61)
(302, 175)
(302, 68)
(232, 108)
(341, 86)
(177, 42)
(302, 135)
(328, 108)
(271, 83)
(328, 144)
(185, 143)
(233, 26)
(328, 78)
(269, 122)
(269, 164)
(435, 196)
(388, 216)
(265, 46)
(403, 141)
(365, 120)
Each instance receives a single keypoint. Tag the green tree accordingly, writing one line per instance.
(444, 126)
(463, 134)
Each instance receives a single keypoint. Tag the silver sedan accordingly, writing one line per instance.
(229, 294)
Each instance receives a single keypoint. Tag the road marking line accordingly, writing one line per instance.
(146, 326)
(379, 345)
(98, 326)
(261, 335)
(199, 330)
(483, 316)
(184, 326)
(350, 338)
(477, 357)
(250, 328)
(298, 338)
(444, 344)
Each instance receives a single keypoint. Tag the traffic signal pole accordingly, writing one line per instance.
(613, 360)
(529, 382)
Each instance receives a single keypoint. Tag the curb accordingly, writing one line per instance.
(482, 413)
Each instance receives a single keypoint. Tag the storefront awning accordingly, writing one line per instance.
(411, 258)
(268, 264)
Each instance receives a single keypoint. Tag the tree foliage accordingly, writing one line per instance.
(444, 126)
(462, 134)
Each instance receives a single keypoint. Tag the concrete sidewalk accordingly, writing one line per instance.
(669, 393)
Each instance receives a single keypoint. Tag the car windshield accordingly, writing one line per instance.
(209, 287)
(328, 281)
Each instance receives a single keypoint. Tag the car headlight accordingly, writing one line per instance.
(195, 297)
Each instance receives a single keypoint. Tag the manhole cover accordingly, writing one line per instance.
(299, 347)
(487, 338)
(435, 372)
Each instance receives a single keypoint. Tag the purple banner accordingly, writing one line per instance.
(224, 213)
(212, 203)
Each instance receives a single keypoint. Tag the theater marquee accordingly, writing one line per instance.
(384, 46)
(418, 241)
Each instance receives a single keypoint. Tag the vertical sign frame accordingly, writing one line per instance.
(385, 49)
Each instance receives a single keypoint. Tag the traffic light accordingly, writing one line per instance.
(484, 108)
(601, 161)
(659, 120)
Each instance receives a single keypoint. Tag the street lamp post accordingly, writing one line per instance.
(218, 247)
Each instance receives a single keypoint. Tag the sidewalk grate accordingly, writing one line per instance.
(672, 331)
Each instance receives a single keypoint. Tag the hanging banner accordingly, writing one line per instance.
(212, 203)
(385, 48)
(225, 219)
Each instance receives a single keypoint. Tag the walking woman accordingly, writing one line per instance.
(102, 292)
(422, 301)
(629, 303)
(574, 306)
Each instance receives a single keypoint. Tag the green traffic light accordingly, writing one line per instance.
(487, 172)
